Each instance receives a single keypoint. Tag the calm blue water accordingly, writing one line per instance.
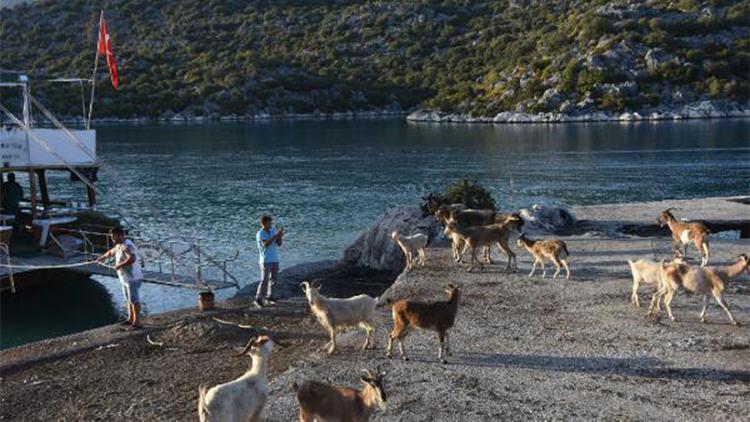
(326, 181)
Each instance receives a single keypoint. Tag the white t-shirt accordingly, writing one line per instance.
(129, 272)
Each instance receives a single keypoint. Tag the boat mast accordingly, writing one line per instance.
(26, 101)
(93, 76)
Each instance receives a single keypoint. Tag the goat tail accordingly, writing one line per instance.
(202, 409)
(565, 248)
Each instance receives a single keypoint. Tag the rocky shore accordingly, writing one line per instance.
(187, 117)
(697, 110)
(523, 348)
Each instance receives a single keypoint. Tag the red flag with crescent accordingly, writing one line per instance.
(105, 48)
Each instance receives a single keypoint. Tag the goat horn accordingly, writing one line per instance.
(247, 347)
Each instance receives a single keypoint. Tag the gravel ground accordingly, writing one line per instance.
(523, 348)
(543, 349)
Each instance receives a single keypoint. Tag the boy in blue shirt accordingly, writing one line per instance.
(268, 239)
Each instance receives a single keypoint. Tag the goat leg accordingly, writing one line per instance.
(441, 337)
(369, 329)
(724, 305)
(333, 342)
(401, 349)
(667, 301)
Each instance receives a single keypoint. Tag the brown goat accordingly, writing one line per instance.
(466, 217)
(699, 280)
(319, 401)
(497, 233)
(684, 233)
(435, 316)
(553, 249)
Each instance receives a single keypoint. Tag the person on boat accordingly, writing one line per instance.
(268, 239)
(12, 195)
(129, 272)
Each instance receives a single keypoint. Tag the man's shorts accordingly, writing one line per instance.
(131, 291)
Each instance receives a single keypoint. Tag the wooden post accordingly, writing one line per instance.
(43, 188)
(32, 193)
(91, 194)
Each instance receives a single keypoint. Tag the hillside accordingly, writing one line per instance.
(216, 58)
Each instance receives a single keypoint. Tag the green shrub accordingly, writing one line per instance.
(587, 79)
(470, 193)
(463, 191)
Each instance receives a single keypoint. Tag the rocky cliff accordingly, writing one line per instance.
(500, 61)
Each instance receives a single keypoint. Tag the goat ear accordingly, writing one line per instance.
(262, 340)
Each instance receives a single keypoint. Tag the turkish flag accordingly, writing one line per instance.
(105, 47)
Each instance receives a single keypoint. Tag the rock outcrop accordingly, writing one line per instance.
(546, 217)
(375, 249)
(696, 110)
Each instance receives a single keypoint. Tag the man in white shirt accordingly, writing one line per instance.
(129, 272)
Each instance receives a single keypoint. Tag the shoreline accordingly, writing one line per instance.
(701, 110)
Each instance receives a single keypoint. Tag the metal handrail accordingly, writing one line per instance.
(194, 256)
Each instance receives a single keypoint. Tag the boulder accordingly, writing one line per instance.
(375, 248)
(547, 217)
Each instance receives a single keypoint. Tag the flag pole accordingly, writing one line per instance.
(93, 76)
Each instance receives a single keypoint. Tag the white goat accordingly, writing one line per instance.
(647, 272)
(339, 314)
(244, 398)
(701, 281)
(411, 244)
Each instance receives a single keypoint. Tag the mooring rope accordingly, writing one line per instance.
(45, 267)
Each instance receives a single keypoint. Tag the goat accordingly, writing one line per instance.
(553, 249)
(684, 233)
(337, 314)
(435, 316)
(458, 242)
(465, 217)
(699, 280)
(648, 272)
(410, 244)
(497, 233)
(319, 401)
(244, 398)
